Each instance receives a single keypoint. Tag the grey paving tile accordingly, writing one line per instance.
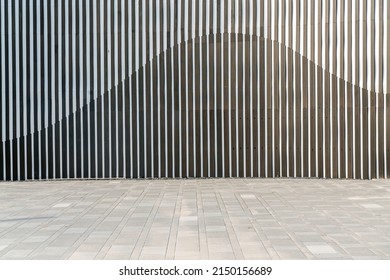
(321, 249)
(2, 247)
(215, 218)
(222, 256)
(187, 256)
(83, 256)
(16, 255)
(151, 256)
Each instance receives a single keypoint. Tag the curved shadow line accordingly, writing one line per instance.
(157, 56)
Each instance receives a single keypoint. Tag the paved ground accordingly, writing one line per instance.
(195, 219)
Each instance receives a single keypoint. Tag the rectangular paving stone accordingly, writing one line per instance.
(61, 205)
(83, 256)
(321, 249)
(2, 247)
(289, 219)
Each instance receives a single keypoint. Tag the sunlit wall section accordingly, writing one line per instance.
(205, 88)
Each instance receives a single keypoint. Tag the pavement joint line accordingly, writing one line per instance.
(204, 251)
(100, 217)
(171, 246)
(237, 250)
(291, 235)
(90, 228)
(122, 224)
(144, 234)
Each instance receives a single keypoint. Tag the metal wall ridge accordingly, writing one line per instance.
(186, 89)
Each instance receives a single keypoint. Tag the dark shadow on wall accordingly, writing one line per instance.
(176, 114)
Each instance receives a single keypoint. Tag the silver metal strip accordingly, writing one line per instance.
(131, 73)
(46, 84)
(117, 76)
(81, 91)
(251, 84)
(95, 84)
(39, 91)
(17, 90)
(10, 89)
(88, 81)
(336, 60)
(110, 86)
(222, 17)
(208, 85)
(179, 90)
(332, 67)
(229, 23)
(376, 79)
(193, 36)
(369, 81)
(344, 25)
(293, 40)
(296, 48)
(78, 66)
(102, 35)
(386, 82)
(25, 118)
(115, 85)
(215, 88)
(3, 108)
(337, 54)
(354, 82)
(67, 85)
(361, 58)
(267, 36)
(151, 8)
(116, 80)
(236, 63)
(280, 41)
(325, 23)
(46, 93)
(61, 93)
(301, 52)
(260, 161)
(325, 47)
(243, 86)
(165, 47)
(144, 59)
(215, 23)
(312, 42)
(74, 88)
(137, 67)
(306, 46)
(285, 24)
(284, 72)
(172, 32)
(272, 14)
(123, 81)
(186, 38)
(201, 89)
(158, 51)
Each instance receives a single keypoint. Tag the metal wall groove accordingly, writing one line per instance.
(208, 88)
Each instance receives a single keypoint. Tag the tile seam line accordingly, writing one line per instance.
(233, 239)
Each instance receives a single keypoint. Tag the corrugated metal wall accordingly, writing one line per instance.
(202, 88)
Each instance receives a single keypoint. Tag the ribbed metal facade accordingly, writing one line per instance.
(201, 88)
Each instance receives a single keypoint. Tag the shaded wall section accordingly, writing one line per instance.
(209, 88)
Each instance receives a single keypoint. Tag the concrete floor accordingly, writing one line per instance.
(196, 219)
